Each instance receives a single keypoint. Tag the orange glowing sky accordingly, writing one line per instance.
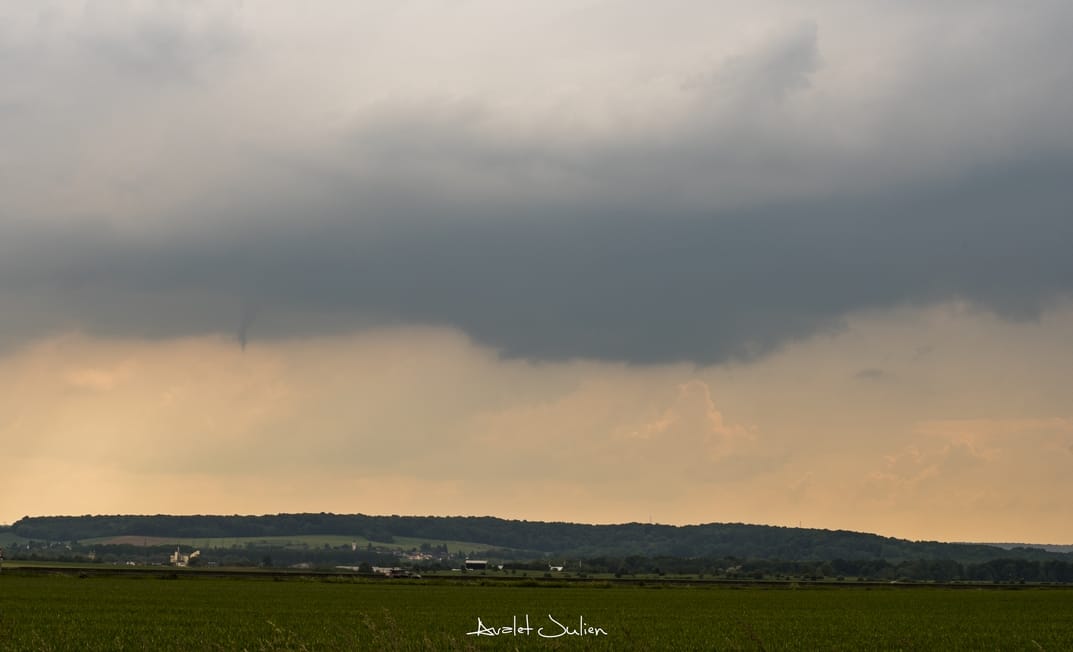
(689, 261)
(939, 424)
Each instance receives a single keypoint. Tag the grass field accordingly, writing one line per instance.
(66, 612)
(297, 541)
(8, 539)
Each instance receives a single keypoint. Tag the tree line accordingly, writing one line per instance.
(526, 539)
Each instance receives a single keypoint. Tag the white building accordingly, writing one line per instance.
(179, 559)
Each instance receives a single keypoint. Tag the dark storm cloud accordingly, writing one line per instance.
(714, 210)
(647, 286)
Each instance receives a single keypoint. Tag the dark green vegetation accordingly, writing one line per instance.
(328, 541)
(528, 539)
(66, 612)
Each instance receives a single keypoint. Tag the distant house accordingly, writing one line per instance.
(557, 569)
(179, 559)
(476, 564)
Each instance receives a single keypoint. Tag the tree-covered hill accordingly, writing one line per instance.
(528, 537)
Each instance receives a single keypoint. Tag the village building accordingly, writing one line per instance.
(179, 559)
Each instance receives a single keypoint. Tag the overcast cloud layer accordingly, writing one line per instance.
(608, 180)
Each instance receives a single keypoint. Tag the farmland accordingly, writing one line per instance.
(182, 611)
(287, 541)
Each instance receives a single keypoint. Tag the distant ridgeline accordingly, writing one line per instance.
(713, 540)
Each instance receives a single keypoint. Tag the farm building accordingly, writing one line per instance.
(179, 559)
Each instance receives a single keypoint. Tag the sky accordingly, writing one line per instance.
(576, 260)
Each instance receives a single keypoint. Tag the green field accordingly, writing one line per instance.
(296, 541)
(9, 539)
(186, 612)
